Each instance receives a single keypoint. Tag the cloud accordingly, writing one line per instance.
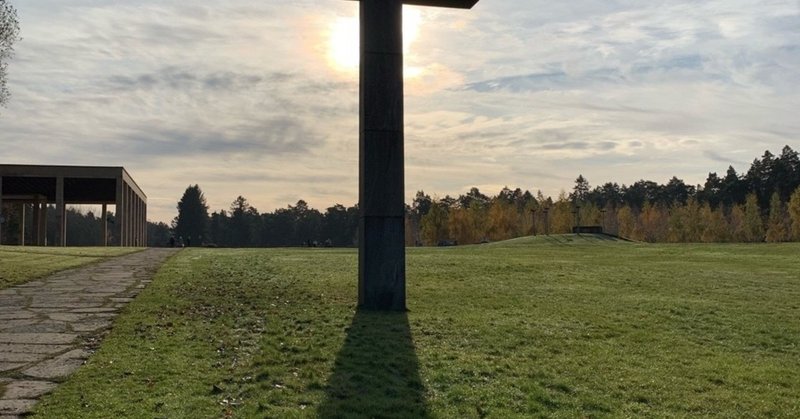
(176, 78)
(238, 96)
(528, 82)
(580, 145)
(720, 158)
(275, 137)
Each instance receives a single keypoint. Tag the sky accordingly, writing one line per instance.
(260, 99)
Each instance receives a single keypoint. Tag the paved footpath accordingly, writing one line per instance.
(50, 326)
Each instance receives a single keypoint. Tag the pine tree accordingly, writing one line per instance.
(503, 220)
(433, 225)
(243, 222)
(561, 218)
(676, 232)
(736, 223)
(580, 191)
(590, 214)
(653, 223)
(192, 220)
(794, 214)
(776, 224)
(626, 222)
(715, 228)
(753, 225)
(460, 226)
(694, 227)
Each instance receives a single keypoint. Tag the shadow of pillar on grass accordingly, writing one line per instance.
(376, 373)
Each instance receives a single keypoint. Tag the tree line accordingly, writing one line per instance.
(762, 204)
(241, 225)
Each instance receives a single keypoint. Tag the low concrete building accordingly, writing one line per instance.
(81, 185)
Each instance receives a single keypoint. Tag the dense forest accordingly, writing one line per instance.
(760, 205)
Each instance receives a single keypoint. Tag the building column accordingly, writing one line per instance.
(142, 223)
(35, 223)
(119, 212)
(61, 213)
(131, 216)
(381, 244)
(136, 224)
(128, 217)
(124, 222)
(139, 220)
(22, 224)
(43, 225)
(104, 229)
(144, 218)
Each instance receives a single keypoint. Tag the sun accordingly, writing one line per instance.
(343, 44)
(343, 39)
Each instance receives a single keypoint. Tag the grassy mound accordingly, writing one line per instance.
(560, 239)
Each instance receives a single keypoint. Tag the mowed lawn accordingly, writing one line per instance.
(22, 264)
(563, 326)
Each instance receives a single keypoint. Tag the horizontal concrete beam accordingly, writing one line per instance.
(25, 198)
(73, 172)
(454, 4)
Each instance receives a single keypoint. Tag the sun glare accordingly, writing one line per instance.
(343, 40)
(343, 47)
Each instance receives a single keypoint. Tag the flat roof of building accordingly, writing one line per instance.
(82, 184)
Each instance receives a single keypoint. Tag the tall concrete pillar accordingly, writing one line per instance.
(132, 197)
(135, 218)
(127, 222)
(61, 213)
(36, 222)
(131, 216)
(144, 220)
(22, 224)
(43, 225)
(104, 225)
(139, 219)
(381, 261)
(127, 214)
(140, 223)
(119, 212)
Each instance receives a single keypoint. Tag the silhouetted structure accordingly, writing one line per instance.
(87, 185)
(381, 262)
(587, 230)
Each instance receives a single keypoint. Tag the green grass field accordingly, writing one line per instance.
(547, 327)
(22, 264)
